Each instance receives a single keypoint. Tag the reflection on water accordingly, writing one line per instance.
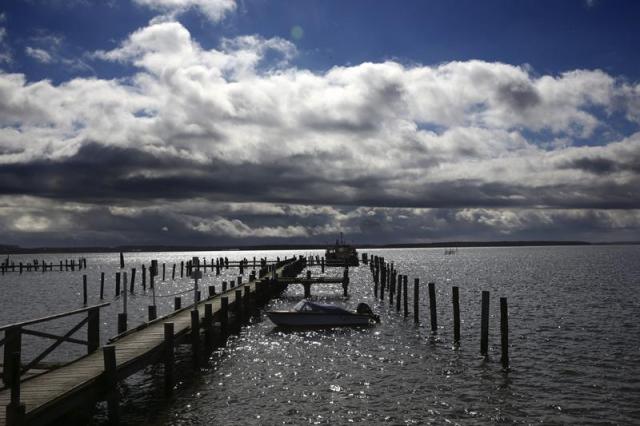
(574, 334)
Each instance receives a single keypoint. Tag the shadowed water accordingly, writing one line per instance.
(575, 346)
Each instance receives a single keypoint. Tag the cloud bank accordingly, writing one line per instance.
(416, 152)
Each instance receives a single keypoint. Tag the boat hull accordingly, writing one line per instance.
(313, 319)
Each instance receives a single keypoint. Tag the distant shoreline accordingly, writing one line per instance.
(12, 249)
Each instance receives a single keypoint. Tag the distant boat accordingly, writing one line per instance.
(310, 314)
(341, 254)
(451, 251)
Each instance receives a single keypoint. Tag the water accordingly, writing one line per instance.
(575, 346)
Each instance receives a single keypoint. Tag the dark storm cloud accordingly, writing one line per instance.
(105, 174)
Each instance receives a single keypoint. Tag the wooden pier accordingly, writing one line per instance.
(40, 399)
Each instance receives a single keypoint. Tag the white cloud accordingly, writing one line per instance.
(215, 10)
(39, 55)
(453, 135)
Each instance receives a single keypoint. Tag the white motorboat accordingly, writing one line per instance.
(310, 314)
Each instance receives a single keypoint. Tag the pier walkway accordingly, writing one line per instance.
(56, 392)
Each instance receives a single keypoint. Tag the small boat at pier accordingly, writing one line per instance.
(341, 254)
(310, 314)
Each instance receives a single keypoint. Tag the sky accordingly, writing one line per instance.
(224, 122)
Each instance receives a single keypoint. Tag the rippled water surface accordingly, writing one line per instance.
(575, 345)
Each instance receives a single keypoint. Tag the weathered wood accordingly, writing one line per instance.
(224, 316)
(169, 357)
(77, 384)
(405, 296)
(195, 338)
(177, 303)
(432, 307)
(484, 324)
(101, 285)
(456, 315)
(152, 312)
(15, 411)
(122, 322)
(504, 333)
(93, 330)
(416, 301)
(208, 325)
(398, 287)
(52, 317)
(111, 383)
(84, 290)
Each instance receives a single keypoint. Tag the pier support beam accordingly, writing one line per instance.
(169, 358)
(111, 381)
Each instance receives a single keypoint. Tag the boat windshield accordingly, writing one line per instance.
(306, 306)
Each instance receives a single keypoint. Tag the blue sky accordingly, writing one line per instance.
(255, 121)
(551, 36)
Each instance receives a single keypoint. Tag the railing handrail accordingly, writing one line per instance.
(52, 317)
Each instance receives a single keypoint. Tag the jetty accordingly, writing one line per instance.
(38, 399)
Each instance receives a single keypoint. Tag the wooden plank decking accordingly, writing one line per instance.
(51, 394)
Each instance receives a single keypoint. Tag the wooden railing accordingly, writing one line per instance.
(12, 340)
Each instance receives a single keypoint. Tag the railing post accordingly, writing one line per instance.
(111, 383)
(15, 410)
(12, 345)
(93, 330)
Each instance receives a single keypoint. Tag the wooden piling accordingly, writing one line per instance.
(101, 285)
(405, 296)
(212, 291)
(169, 357)
(152, 312)
(177, 303)
(224, 316)
(133, 280)
(484, 325)
(504, 333)
(111, 383)
(432, 308)
(398, 287)
(456, 315)
(238, 306)
(208, 325)
(416, 301)
(144, 277)
(163, 271)
(195, 337)
(84, 290)
(173, 272)
(117, 284)
(181, 268)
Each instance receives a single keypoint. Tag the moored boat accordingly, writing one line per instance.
(310, 314)
(341, 254)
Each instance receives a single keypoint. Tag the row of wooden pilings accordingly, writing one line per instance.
(216, 328)
(188, 267)
(387, 281)
(42, 266)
